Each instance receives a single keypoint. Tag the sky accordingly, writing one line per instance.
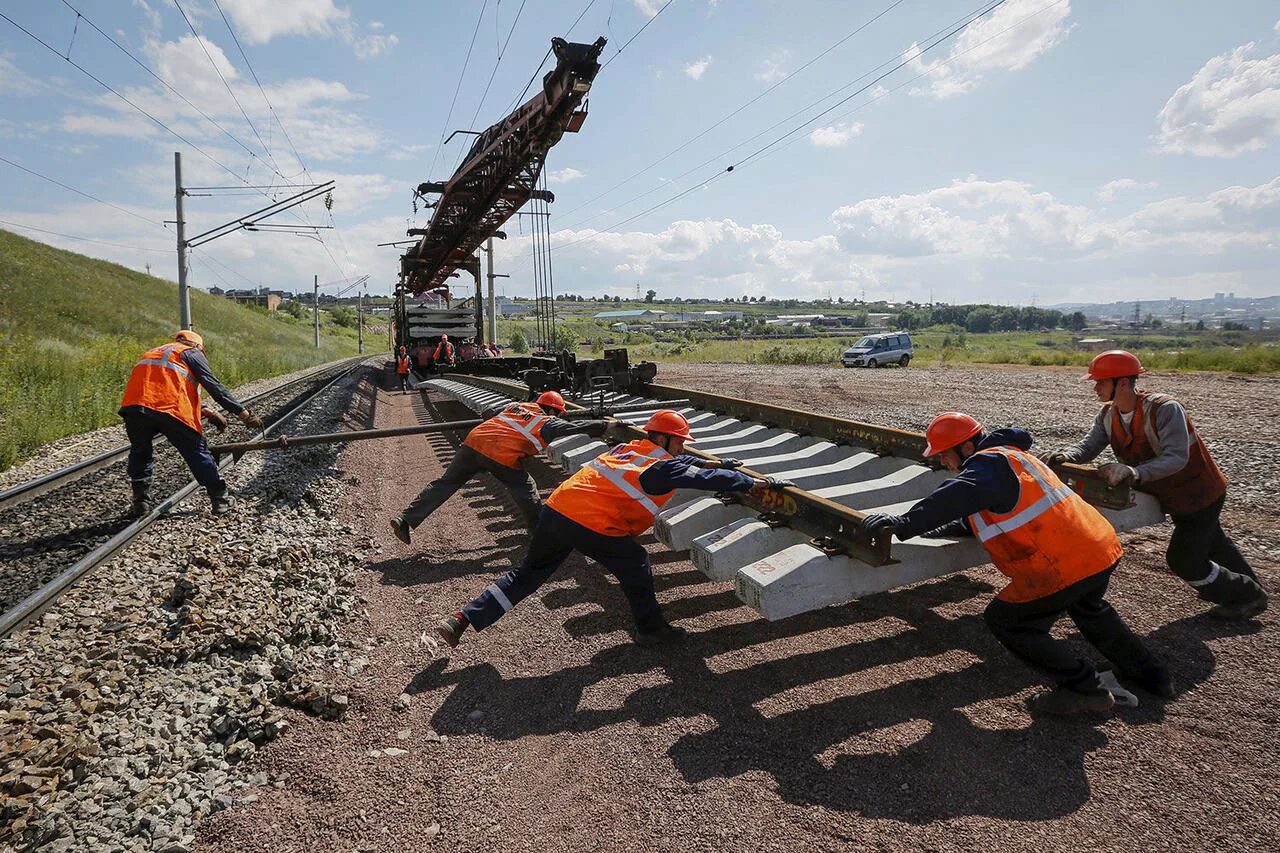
(1042, 152)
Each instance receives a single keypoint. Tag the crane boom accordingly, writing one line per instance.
(501, 169)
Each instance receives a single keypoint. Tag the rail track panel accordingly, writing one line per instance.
(776, 569)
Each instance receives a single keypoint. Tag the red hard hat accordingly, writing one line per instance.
(669, 422)
(1113, 364)
(948, 430)
(552, 400)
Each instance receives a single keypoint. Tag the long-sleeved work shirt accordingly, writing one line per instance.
(557, 427)
(686, 472)
(203, 374)
(1171, 428)
(985, 481)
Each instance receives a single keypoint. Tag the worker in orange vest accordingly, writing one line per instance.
(163, 398)
(402, 369)
(1057, 551)
(1162, 454)
(443, 353)
(507, 437)
(599, 511)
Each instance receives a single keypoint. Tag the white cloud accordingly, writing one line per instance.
(1009, 39)
(259, 23)
(371, 46)
(648, 8)
(774, 68)
(154, 21)
(1107, 192)
(836, 136)
(697, 68)
(1230, 106)
(14, 81)
(565, 175)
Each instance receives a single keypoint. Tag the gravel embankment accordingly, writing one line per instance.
(132, 709)
(896, 722)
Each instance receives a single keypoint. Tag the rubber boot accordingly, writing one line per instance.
(142, 505)
(221, 501)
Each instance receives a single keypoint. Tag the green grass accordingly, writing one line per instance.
(72, 327)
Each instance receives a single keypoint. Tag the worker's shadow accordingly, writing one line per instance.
(945, 744)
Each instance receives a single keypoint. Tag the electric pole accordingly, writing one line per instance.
(184, 297)
(360, 322)
(315, 308)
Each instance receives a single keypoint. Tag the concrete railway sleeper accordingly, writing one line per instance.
(801, 552)
(20, 608)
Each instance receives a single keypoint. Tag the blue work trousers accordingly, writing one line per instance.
(554, 539)
(143, 425)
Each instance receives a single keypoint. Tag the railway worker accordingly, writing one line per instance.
(443, 353)
(599, 511)
(402, 369)
(500, 445)
(163, 398)
(1161, 453)
(1057, 550)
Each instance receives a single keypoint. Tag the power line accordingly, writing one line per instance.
(501, 53)
(547, 56)
(85, 239)
(458, 88)
(739, 109)
(637, 35)
(78, 192)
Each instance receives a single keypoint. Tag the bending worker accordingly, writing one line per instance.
(1058, 551)
(500, 445)
(1163, 455)
(163, 398)
(402, 369)
(599, 511)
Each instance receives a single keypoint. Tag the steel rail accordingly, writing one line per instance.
(37, 602)
(24, 492)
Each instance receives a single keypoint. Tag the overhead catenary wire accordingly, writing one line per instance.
(567, 33)
(501, 53)
(637, 35)
(456, 89)
(168, 251)
(79, 192)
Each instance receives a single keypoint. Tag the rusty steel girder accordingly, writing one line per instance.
(501, 169)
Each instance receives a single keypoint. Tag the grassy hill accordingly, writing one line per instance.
(72, 327)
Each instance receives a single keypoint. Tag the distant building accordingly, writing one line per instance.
(637, 314)
(507, 308)
(264, 298)
(1097, 344)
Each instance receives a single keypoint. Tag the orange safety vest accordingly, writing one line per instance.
(402, 364)
(604, 495)
(444, 351)
(161, 381)
(511, 436)
(1050, 539)
(1198, 484)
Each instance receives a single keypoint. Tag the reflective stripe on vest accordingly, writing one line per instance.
(1052, 496)
(614, 475)
(527, 431)
(161, 382)
(167, 364)
(605, 495)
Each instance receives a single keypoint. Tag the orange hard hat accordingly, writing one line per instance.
(669, 422)
(552, 400)
(187, 336)
(948, 430)
(1113, 364)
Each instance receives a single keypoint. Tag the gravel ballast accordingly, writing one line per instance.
(895, 722)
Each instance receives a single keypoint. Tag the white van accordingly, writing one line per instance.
(880, 350)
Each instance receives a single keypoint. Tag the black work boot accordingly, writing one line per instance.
(664, 633)
(221, 501)
(1065, 702)
(450, 629)
(1246, 609)
(142, 505)
(400, 528)
(1154, 679)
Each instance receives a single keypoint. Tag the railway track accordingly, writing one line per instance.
(56, 528)
(800, 552)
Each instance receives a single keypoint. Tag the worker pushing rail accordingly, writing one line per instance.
(163, 398)
(599, 511)
(500, 445)
(1058, 552)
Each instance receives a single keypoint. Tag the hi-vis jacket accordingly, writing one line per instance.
(402, 364)
(511, 436)
(605, 494)
(162, 382)
(1050, 539)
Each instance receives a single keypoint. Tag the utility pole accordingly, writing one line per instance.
(492, 301)
(360, 322)
(148, 267)
(184, 297)
(315, 308)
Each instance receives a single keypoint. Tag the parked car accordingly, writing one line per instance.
(880, 350)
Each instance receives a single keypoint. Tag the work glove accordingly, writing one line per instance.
(1117, 473)
(596, 429)
(730, 464)
(215, 417)
(878, 522)
(249, 419)
(1054, 457)
(777, 483)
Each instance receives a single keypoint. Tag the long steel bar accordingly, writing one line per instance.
(24, 492)
(36, 603)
